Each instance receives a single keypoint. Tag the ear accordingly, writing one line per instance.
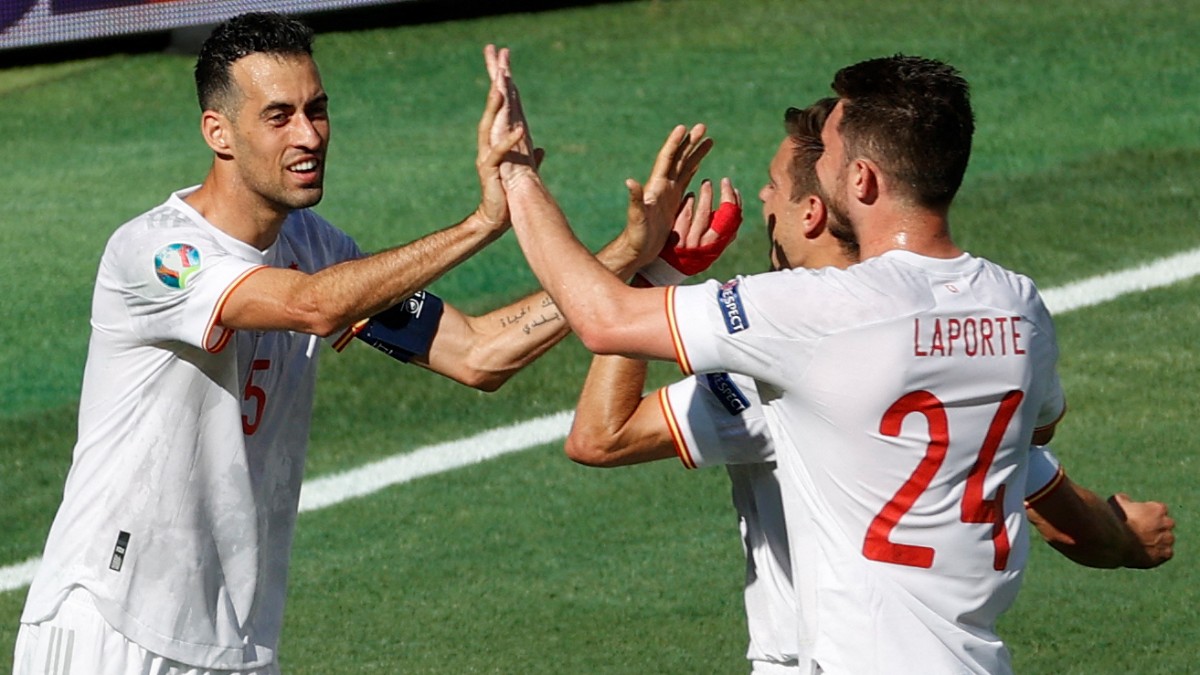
(217, 132)
(865, 180)
(813, 220)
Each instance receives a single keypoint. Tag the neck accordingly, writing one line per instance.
(238, 212)
(923, 231)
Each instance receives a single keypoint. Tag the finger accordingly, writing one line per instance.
(699, 232)
(490, 109)
(728, 194)
(516, 114)
(727, 220)
(497, 153)
(690, 166)
(683, 217)
(636, 210)
(489, 59)
(635, 193)
(666, 154)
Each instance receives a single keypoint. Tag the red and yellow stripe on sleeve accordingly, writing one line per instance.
(681, 356)
(1036, 497)
(217, 336)
(664, 404)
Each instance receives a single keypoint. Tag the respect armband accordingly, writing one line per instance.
(402, 331)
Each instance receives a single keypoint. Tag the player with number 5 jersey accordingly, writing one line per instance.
(169, 552)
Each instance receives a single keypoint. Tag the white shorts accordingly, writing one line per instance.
(78, 641)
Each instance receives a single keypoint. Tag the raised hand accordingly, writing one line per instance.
(698, 237)
(701, 235)
(653, 207)
(509, 127)
(493, 204)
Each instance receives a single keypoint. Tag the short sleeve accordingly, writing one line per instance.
(717, 419)
(1045, 473)
(173, 282)
(1054, 405)
(719, 327)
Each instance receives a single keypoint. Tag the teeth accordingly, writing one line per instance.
(304, 166)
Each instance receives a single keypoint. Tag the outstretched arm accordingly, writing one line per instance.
(608, 316)
(1094, 532)
(335, 297)
(615, 425)
(485, 351)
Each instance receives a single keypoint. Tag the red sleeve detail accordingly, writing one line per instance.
(664, 404)
(1038, 496)
(217, 336)
(681, 356)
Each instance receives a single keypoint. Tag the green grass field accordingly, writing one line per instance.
(1085, 162)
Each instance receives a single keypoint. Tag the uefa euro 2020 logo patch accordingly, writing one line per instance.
(174, 263)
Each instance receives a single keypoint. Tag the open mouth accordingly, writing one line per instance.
(306, 166)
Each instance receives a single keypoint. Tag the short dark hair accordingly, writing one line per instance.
(804, 128)
(912, 116)
(245, 34)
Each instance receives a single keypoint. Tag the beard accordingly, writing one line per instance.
(838, 220)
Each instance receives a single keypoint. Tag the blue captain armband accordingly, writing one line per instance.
(402, 331)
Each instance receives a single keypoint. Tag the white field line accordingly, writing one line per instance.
(370, 478)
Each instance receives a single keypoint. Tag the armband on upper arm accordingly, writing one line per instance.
(402, 331)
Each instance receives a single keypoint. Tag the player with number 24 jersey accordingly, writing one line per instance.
(859, 384)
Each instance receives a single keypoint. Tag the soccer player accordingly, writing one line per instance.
(718, 419)
(902, 393)
(169, 552)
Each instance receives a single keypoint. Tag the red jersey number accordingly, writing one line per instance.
(257, 394)
(975, 508)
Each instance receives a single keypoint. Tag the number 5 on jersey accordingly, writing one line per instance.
(257, 394)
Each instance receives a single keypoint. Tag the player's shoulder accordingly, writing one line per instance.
(170, 241)
(1007, 288)
(170, 219)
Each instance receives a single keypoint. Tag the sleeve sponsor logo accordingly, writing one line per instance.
(730, 300)
(175, 263)
(728, 393)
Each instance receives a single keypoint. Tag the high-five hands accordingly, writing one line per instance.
(653, 207)
(698, 236)
(509, 128)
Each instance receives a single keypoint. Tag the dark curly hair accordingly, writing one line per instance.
(245, 34)
(912, 116)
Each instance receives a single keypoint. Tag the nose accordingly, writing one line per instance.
(762, 194)
(308, 132)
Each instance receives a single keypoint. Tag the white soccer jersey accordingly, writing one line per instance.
(178, 511)
(718, 419)
(901, 394)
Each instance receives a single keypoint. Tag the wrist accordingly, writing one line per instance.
(514, 176)
(660, 273)
(481, 221)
